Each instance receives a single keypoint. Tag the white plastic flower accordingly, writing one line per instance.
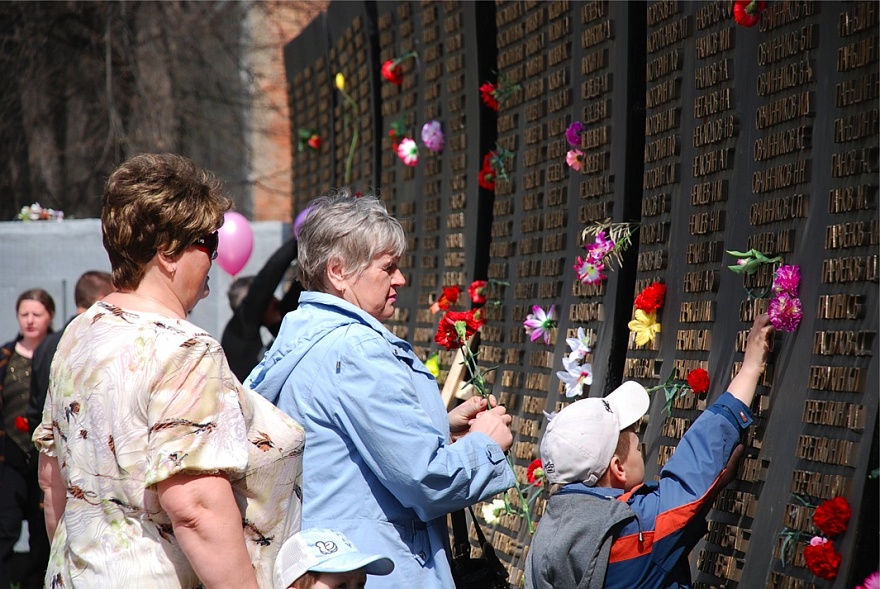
(575, 376)
(408, 151)
(580, 346)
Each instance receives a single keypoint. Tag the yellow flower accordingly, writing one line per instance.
(340, 81)
(433, 365)
(645, 327)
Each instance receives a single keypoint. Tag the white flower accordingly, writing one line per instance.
(575, 376)
(491, 512)
(580, 346)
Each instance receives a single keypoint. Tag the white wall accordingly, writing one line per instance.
(52, 255)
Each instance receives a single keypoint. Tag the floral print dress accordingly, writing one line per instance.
(136, 398)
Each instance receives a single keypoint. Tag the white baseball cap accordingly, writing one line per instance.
(323, 551)
(580, 440)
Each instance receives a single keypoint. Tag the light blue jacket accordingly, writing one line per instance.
(378, 465)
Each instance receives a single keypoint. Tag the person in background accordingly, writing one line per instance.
(608, 528)
(385, 461)
(254, 306)
(91, 286)
(159, 469)
(20, 494)
(325, 559)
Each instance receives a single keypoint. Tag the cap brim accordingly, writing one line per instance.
(374, 564)
(630, 401)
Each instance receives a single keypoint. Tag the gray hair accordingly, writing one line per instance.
(350, 229)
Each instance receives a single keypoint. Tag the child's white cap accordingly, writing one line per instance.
(323, 551)
(580, 440)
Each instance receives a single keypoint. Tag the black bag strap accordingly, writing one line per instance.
(480, 537)
(461, 545)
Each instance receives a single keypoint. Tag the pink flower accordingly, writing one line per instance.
(785, 312)
(872, 582)
(408, 151)
(575, 159)
(432, 136)
(818, 541)
(573, 134)
(539, 323)
(600, 248)
(788, 279)
(588, 271)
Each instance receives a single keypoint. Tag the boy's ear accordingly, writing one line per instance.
(616, 473)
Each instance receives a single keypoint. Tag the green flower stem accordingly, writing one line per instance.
(476, 379)
(350, 120)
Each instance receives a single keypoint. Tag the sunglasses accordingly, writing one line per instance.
(208, 244)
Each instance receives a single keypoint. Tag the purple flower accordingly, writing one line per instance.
(788, 279)
(872, 582)
(573, 134)
(588, 271)
(432, 136)
(600, 248)
(539, 323)
(785, 312)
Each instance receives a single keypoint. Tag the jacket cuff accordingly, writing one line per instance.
(734, 410)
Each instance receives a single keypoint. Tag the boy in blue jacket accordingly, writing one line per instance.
(608, 528)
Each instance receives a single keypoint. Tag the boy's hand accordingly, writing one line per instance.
(758, 344)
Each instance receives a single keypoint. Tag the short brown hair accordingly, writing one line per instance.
(623, 442)
(39, 295)
(92, 286)
(307, 581)
(157, 203)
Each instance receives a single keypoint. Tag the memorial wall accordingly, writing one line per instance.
(698, 135)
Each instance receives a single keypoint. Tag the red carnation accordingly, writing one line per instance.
(391, 72)
(487, 93)
(487, 179)
(21, 424)
(651, 299)
(477, 291)
(448, 337)
(315, 142)
(822, 560)
(447, 299)
(832, 516)
(698, 380)
(535, 472)
(748, 12)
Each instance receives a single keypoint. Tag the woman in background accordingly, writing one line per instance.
(20, 494)
(160, 470)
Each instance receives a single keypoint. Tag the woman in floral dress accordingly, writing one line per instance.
(160, 470)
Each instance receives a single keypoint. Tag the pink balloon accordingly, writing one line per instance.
(236, 243)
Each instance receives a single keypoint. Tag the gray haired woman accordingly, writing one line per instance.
(386, 463)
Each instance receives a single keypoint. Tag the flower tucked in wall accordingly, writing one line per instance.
(477, 292)
(535, 473)
(644, 326)
(698, 381)
(538, 324)
(494, 167)
(308, 139)
(609, 241)
(447, 299)
(498, 93)
(35, 212)
(651, 298)
(579, 346)
(574, 376)
(832, 516)
(408, 152)
(392, 70)
(398, 132)
(749, 262)
(748, 12)
(871, 582)
(352, 113)
(575, 159)
(573, 134)
(432, 136)
(822, 559)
